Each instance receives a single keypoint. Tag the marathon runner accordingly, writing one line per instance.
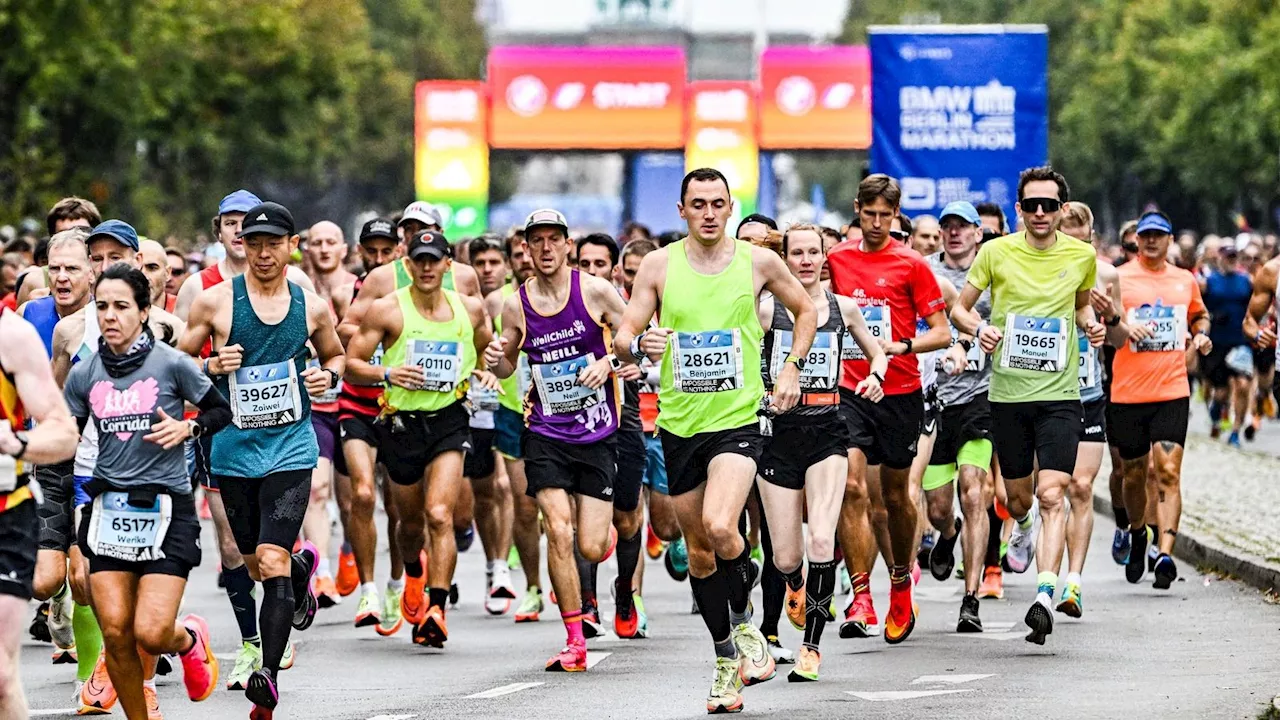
(804, 465)
(562, 320)
(706, 289)
(260, 324)
(151, 260)
(27, 389)
(419, 216)
(1259, 323)
(895, 289)
(1228, 368)
(432, 338)
(67, 213)
(140, 532)
(1150, 394)
(1040, 283)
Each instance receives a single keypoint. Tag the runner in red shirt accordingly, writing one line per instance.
(895, 288)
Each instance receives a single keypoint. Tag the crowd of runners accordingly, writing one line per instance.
(935, 392)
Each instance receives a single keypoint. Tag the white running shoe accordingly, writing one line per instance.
(1022, 543)
(60, 620)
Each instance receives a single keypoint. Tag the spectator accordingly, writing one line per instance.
(634, 231)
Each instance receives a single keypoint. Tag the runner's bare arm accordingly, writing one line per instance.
(32, 280)
(503, 353)
(1113, 307)
(55, 435)
(364, 342)
(602, 299)
(778, 280)
(324, 338)
(962, 314)
(1087, 320)
(376, 284)
(482, 335)
(764, 313)
(342, 297)
(199, 324)
(465, 280)
(1264, 293)
(187, 294)
(938, 335)
(64, 333)
(644, 303)
(862, 334)
(296, 276)
(493, 305)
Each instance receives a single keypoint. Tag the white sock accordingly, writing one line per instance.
(1073, 579)
(396, 585)
(369, 588)
(322, 569)
(149, 683)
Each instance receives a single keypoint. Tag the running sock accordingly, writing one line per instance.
(323, 568)
(992, 558)
(346, 548)
(861, 583)
(84, 627)
(397, 585)
(413, 569)
(818, 592)
(369, 588)
(737, 572)
(1025, 522)
(586, 578)
(149, 684)
(795, 578)
(437, 597)
(276, 621)
(900, 577)
(1122, 518)
(240, 591)
(712, 596)
(573, 627)
(1046, 585)
(726, 649)
(773, 585)
(1073, 578)
(628, 552)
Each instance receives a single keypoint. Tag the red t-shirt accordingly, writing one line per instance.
(895, 277)
(209, 277)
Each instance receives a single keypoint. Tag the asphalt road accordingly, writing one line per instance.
(1205, 649)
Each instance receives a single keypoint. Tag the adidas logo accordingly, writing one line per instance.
(261, 216)
(726, 384)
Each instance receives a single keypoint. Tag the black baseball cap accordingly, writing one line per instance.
(378, 228)
(267, 218)
(758, 218)
(428, 244)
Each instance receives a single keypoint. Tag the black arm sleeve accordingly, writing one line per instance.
(215, 413)
(81, 422)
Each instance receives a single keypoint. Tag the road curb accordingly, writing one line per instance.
(1202, 552)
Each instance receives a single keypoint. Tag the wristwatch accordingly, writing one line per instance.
(799, 362)
(196, 428)
(966, 344)
(879, 378)
(1114, 320)
(908, 342)
(333, 378)
(614, 363)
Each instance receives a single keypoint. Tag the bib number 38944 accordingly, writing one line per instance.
(707, 362)
(1034, 343)
(265, 396)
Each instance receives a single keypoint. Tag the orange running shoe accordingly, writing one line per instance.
(432, 632)
(992, 583)
(326, 593)
(573, 658)
(348, 574)
(652, 543)
(795, 606)
(413, 604)
(860, 619)
(901, 619)
(199, 664)
(98, 694)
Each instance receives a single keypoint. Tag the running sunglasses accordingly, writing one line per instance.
(899, 235)
(1031, 206)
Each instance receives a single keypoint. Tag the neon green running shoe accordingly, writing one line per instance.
(248, 660)
(392, 618)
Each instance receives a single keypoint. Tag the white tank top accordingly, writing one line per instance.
(87, 450)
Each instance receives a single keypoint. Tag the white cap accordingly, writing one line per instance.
(423, 212)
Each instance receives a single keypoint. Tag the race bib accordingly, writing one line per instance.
(822, 367)
(974, 360)
(8, 467)
(706, 362)
(559, 390)
(877, 318)
(133, 534)
(377, 356)
(439, 361)
(482, 399)
(1240, 359)
(1167, 324)
(524, 376)
(329, 396)
(1088, 366)
(265, 396)
(1034, 343)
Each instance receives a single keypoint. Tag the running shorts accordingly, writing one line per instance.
(326, 428)
(886, 432)
(799, 443)
(589, 469)
(687, 459)
(480, 461)
(632, 458)
(1094, 429)
(19, 530)
(1135, 427)
(960, 425)
(655, 466)
(509, 428)
(266, 510)
(410, 441)
(1043, 431)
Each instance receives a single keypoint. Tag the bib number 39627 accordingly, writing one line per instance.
(1034, 343)
(265, 396)
(125, 532)
(707, 362)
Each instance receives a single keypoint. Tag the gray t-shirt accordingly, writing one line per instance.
(962, 388)
(122, 410)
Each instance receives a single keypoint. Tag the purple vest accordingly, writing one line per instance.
(559, 347)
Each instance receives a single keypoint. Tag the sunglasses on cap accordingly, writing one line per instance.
(1031, 206)
(899, 235)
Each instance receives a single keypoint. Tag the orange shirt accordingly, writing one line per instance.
(1156, 369)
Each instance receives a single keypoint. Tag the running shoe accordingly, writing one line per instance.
(453, 595)
(573, 658)
(60, 621)
(530, 606)
(626, 622)
(433, 632)
(927, 542)
(290, 654)
(413, 604)
(98, 695)
(653, 544)
(261, 690)
(260, 713)
(1153, 551)
(780, 655)
(807, 664)
(199, 664)
(1071, 605)
(392, 617)
(1251, 429)
(1120, 546)
(247, 660)
(348, 580)
(1022, 543)
(846, 584)
(1234, 439)
(305, 612)
(164, 664)
(81, 708)
(755, 663)
(153, 703)
(500, 593)
(642, 629)
(726, 688)
(992, 583)
(326, 592)
(969, 621)
(860, 619)
(1166, 572)
(901, 619)
(942, 559)
(676, 560)
(591, 626)
(795, 607)
(65, 656)
(1040, 620)
(367, 612)
(40, 624)
(513, 559)
(960, 569)
(1134, 571)
(464, 538)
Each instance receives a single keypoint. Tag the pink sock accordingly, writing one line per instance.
(573, 627)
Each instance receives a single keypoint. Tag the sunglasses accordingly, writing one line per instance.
(1031, 206)
(899, 235)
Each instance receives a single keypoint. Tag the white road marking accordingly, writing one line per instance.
(51, 713)
(892, 695)
(939, 593)
(394, 717)
(948, 679)
(999, 626)
(1012, 635)
(594, 658)
(502, 691)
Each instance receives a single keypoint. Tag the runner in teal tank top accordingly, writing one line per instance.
(705, 290)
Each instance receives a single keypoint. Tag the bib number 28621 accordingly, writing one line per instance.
(706, 362)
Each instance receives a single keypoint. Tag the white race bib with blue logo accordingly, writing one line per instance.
(822, 366)
(122, 531)
(1088, 366)
(878, 323)
(706, 362)
(265, 396)
(1034, 343)
(559, 390)
(1167, 324)
(439, 361)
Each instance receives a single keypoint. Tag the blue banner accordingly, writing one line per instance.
(959, 111)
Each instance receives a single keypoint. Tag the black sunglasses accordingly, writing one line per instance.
(1031, 206)
(899, 235)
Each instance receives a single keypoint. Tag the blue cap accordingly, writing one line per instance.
(118, 230)
(238, 201)
(963, 210)
(1154, 221)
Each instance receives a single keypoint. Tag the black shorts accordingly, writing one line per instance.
(932, 416)
(410, 441)
(1136, 426)
(480, 462)
(268, 510)
(1264, 360)
(57, 505)
(1214, 366)
(632, 460)
(202, 471)
(1094, 416)
(19, 527)
(958, 425)
(886, 432)
(589, 469)
(688, 458)
(181, 544)
(799, 443)
(1043, 431)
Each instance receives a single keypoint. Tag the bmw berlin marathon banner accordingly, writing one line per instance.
(959, 111)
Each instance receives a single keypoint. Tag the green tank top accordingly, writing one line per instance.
(404, 279)
(710, 370)
(515, 387)
(446, 352)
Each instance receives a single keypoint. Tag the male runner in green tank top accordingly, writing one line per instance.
(706, 289)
